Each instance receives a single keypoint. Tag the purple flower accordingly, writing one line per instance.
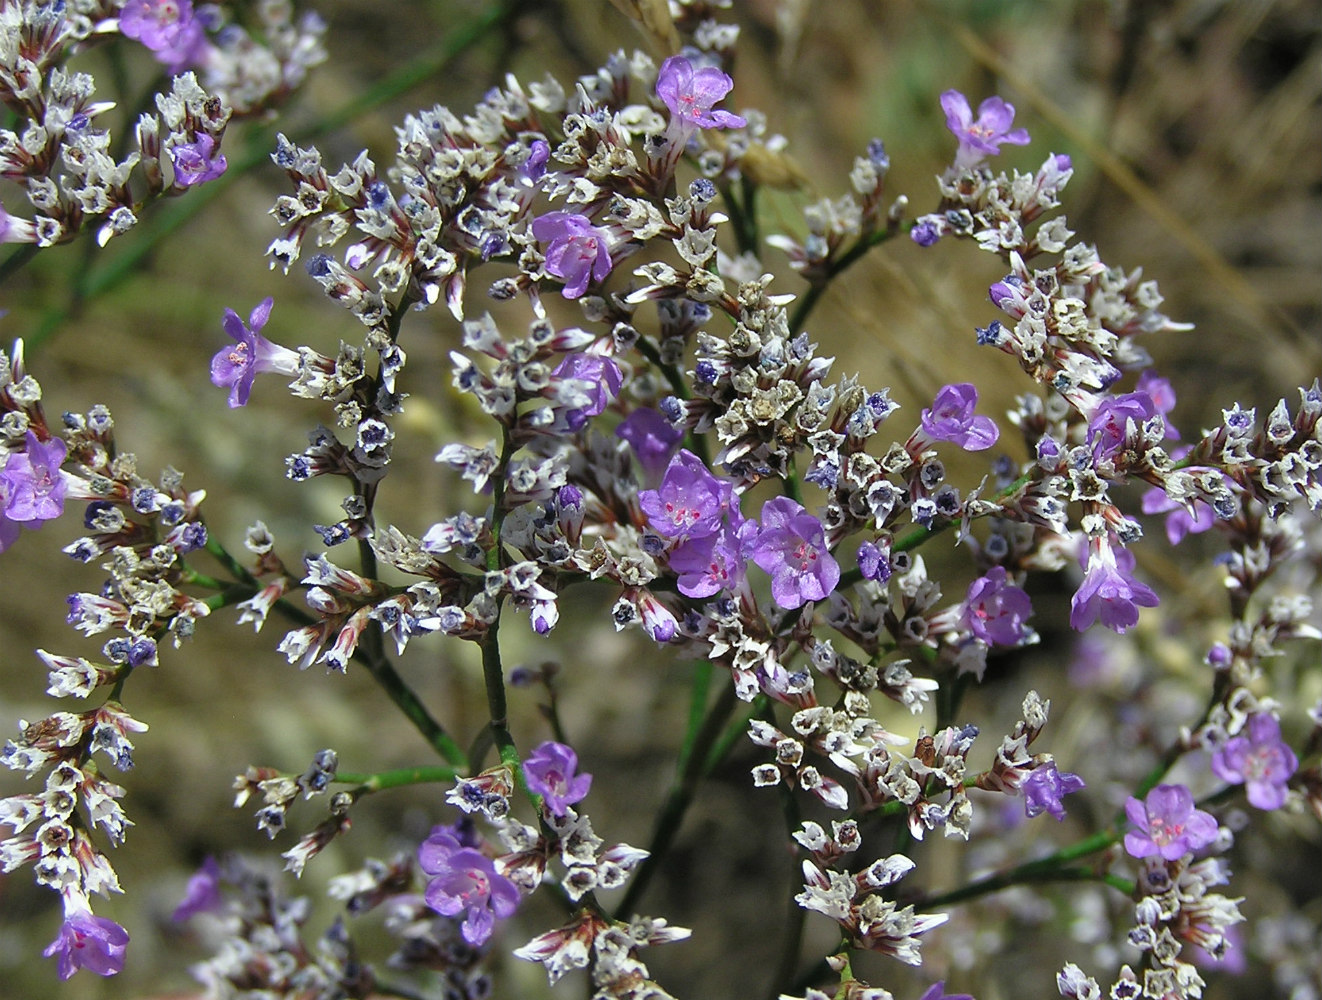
(1109, 590)
(464, 880)
(1167, 824)
(710, 564)
(1045, 787)
(1260, 761)
(982, 138)
(193, 162)
(32, 487)
(690, 95)
(602, 376)
(951, 418)
(995, 610)
(1163, 397)
(937, 991)
(791, 546)
(1179, 522)
(690, 502)
(550, 772)
(88, 942)
(202, 894)
(874, 562)
(167, 27)
(235, 367)
(577, 250)
(1107, 428)
(925, 232)
(652, 437)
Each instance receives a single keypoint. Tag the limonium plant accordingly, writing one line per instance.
(662, 433)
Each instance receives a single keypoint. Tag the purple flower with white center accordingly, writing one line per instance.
(995, 610)
(167, 27)
(551, 772)
(1163, 397)
(1107, 427)
(1109, 590)
(86, 941)
(1260, 761)
(235, 367)
(465, 881)
(690, 502)
(602, 376)
(710, 564)
(202, 894)
(194, 162)
(652, 437)
(1045, 787)
(1167, 825)
(691, 94)
(576, 252)
(32, 486)
(983, 137)
(937, 991)
(951, 418)
(791, 546)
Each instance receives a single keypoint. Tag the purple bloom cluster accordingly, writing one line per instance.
(1167, 825)
(170, 28)
(1259, 760)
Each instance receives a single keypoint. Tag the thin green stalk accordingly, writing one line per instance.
(678, 801)
(381, 780)
(701, 687)
(838, 266)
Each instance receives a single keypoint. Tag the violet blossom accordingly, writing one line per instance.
(1179, 522)
(995, 610)
(202, 895)
(1163, 397)
(601, 376)
(577, 250)
(1045, 787)
(1259, 760)
(691, 94)
(983, 137)
(1166, 824)
(1108, 425)
(86, 941)
(1109, 590)
(550, 771)
(465, 881)
(791, 546)
(168, 27)
(235, 367)
(32, 487)
(690, 502)
(652, 438)
(937, 991)
(712, 563)
(194, 162)
(951, 418)
(874, 562)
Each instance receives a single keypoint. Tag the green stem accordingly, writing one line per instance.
(400, 778)
(842, 263)
(678, 801)
(702, 678)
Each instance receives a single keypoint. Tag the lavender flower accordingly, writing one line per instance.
(465, 881)
(874, 562)
(1045, 787)
(652, 437)
(235, 367)
(982, 138)
(167, 27)
(995, 610)
(691, 95)
(1167, 824)
(194, 162)
(951, 418)
(1179, 522)
(937, 991)
(86, 941)
(791, 546)
(1109, 590)
(711, 563)
(550, 772)
(1107, 427)
(1260, 761)
(577, 250)
(690, 502)
(1163, 397)
(602, 376)
(32, 487)
(202, 894)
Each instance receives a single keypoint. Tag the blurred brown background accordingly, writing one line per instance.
(1195, 129)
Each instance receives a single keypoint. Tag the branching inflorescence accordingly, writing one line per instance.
(681, 444)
